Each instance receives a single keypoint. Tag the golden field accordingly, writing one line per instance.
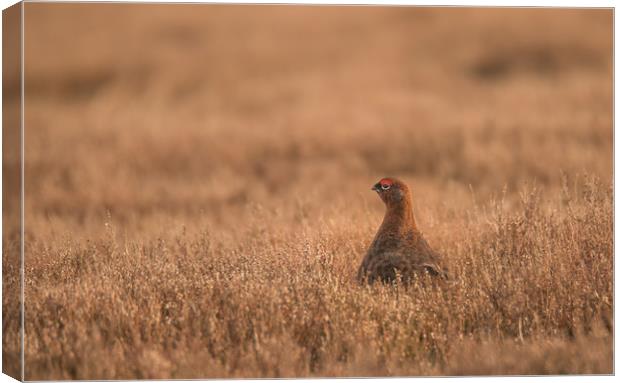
(198, 190)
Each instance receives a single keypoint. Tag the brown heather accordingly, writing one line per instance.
(198, 199)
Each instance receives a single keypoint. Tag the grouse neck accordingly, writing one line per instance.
(400, 216)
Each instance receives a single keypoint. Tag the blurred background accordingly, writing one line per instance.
(184, 111)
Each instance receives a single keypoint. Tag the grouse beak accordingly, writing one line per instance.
(376, 187)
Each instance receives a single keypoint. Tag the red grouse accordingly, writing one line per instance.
(399, 250)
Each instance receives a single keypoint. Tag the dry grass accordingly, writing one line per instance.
(198, 190)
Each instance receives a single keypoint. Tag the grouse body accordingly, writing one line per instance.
(398, 251)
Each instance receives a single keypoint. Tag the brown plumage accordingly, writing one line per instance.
(399, 250)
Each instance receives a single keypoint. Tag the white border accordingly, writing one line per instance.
(481, 3)
(476, 3)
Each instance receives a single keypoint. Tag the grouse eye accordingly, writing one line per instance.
(385, 186)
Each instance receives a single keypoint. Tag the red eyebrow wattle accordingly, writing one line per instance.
(386, 181)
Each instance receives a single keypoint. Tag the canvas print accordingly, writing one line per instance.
(265, 191)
